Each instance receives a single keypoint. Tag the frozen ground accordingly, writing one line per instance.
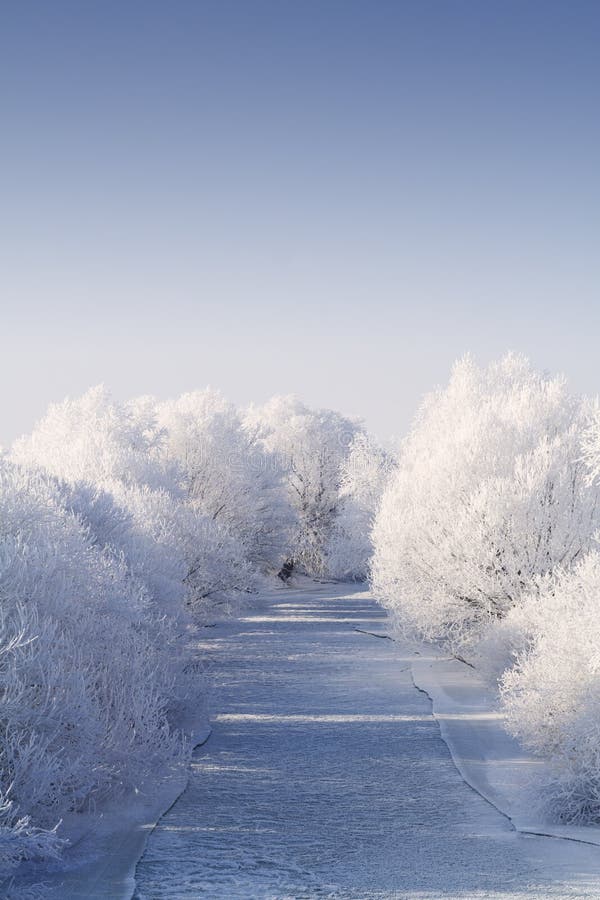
(326, 776)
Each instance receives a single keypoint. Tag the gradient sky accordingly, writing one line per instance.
(329, 198)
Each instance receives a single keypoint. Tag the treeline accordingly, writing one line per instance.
(486, 541)
(123, 526)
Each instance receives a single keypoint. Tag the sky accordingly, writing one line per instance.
(333, 199)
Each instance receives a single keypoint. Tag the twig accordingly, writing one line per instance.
(385, 637)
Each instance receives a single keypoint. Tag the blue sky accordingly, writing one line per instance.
(335, 199)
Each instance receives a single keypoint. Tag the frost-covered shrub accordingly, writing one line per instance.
(100, 447)
(312, 446)
(489, 494)
(86, 667)
(551, 686)
(364, 475)
(229, 476)
(115, 481)
(552, 694)
(95, 439)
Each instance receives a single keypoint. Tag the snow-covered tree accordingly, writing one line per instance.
(88, 672)
(100, 447)
(489, 493)
(364, 475)
(549, 649)
(552, 694)
(312, 446)
(95, 439)
(229, 476)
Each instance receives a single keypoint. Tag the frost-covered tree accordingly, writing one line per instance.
(229, 476)
(312, 446)
(88, 672)
(100, 447)
(552, 694)
(489, 493)
(95, 439)
(364, 475)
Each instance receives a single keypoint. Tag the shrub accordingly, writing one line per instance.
(85, 667)
(552, 693)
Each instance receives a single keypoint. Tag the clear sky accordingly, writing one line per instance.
(329, 198)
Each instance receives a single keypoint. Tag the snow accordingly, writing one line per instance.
(326, 774)
(490, 760)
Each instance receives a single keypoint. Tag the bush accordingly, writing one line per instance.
(86, 668)
(552, 694)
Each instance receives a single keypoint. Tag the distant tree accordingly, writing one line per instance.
(96, 439)
(228, 475)
(312, 446)
(364, 475)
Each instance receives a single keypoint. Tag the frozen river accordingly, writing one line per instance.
(326, 776)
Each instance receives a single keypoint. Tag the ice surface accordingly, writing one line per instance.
(489, 759)
(326, 776)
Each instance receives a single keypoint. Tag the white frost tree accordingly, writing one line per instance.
(364, 475)
(489, 493)
(87, 671)
(551, 695)
(99, 446)
(312, 445)
(229, 476)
